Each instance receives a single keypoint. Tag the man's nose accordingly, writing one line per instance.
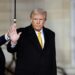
(38, 21)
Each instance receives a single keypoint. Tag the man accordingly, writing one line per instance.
(3, 40)
(34, 58)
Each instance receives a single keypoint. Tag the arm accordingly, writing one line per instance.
(3, 39)
(10, 48)
(54, 66)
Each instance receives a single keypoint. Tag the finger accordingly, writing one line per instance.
(14, 25)
(13, 28)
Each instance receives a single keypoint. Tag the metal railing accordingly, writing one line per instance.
(61, 71)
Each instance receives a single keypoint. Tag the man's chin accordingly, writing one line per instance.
(37, 29)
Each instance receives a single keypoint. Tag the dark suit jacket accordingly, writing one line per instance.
(2, 40)
(31, 58)
(2, 57)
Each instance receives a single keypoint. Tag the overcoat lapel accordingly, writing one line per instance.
(34, 39)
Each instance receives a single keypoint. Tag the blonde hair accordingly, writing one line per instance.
(39, 11)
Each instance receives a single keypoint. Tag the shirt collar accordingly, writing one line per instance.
(40, 31)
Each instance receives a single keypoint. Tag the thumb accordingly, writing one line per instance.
(19, 33)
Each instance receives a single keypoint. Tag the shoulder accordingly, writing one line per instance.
(23, 29)
(49, 31)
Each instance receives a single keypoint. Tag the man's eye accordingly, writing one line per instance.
(34, 19)
(41, 19)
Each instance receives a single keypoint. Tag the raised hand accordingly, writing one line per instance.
(14, 36)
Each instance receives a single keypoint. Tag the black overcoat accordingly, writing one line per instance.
(31, 59)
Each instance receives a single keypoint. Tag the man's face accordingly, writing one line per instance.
(38, 21)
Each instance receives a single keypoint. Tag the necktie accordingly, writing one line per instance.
(40, 39)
